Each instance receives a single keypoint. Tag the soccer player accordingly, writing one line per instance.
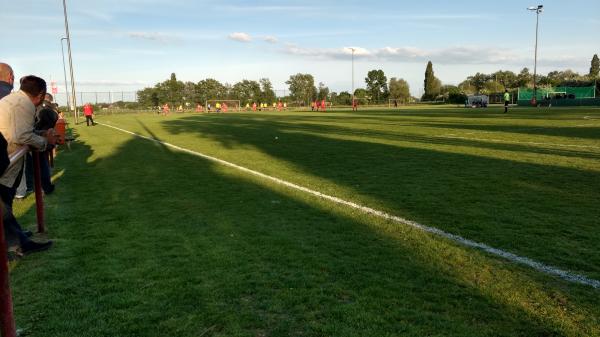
(284, 106)
(323, 105)
(354, 105)
(224, 107)
(506, 100)
(218, 107)
(166, 109)
(279, 105)
(253, 106)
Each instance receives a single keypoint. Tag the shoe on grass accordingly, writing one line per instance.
(32, 247)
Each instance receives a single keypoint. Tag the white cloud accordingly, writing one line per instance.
(110, 83)
(447, 56)
(271, 39)
(253, 8)
(152, 36)
(240, 37)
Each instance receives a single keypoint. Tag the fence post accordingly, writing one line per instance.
(39, 202)
(7, 321)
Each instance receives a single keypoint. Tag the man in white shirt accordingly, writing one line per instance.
(17, 117)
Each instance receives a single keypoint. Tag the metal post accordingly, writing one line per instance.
(352, 76)
(62, 49)
(537, 21)
(76, 114)
(39, 202)
(7, 320)
(537, 10)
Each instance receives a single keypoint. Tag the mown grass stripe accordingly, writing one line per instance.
(541, 267)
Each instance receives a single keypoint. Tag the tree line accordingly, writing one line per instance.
(377, 90)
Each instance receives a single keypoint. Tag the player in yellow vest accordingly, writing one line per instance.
(506, 100)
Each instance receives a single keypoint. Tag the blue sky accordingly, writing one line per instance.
(129, 44)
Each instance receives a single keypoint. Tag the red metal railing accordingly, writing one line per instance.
(7, 321)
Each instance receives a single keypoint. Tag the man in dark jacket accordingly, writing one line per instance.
(7, 79)
(45, 119)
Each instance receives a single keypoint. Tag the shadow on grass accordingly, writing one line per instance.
(297, 125)
(589, 132)
(160, 243)
(521, 207)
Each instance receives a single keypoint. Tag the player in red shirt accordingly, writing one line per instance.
(279, 105)
(88, 111)
(166, 109)
(254, 106)
(323, 105)
(224, 107)
(354, 105)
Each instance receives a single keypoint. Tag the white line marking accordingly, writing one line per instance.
(566, 275)
(491, 140)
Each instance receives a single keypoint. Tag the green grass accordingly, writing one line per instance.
(155, 242)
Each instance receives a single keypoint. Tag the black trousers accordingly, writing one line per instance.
(12, 229)
(89, 119)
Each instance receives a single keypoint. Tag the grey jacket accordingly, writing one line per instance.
(17, 116)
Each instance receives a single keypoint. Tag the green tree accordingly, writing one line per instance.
(322, 92)
(246, 91)
(267, 94)
(148, 97)
(361, 93)
(400, 90)
(492, 87)
(478, 81)
(344, 98)
(467, 88)
(175, 89)
(377, 85)
(595, 67)
(507, 78)
(432, 85)
(302, 87)
(524, 79)
(211, 89)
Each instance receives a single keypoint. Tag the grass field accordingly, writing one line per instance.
(151, 241)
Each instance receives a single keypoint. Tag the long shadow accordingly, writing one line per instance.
(353, 130)
(160, 243)
(591, 132)
(521, 207)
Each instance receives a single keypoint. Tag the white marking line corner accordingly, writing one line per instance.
(546, 269)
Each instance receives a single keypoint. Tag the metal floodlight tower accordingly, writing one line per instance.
(68, 37)
(539, 9)
(352, 49)
(62, 49)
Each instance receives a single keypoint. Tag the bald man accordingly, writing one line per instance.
(7, 79)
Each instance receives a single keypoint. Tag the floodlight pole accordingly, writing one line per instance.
(76, 113)
(352, 49)
(537, 10)
(62, 49)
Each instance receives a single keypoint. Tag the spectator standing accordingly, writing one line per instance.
(7, 79)
(17, 114)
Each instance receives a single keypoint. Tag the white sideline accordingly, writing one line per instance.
(566, 275)
(491, 140)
